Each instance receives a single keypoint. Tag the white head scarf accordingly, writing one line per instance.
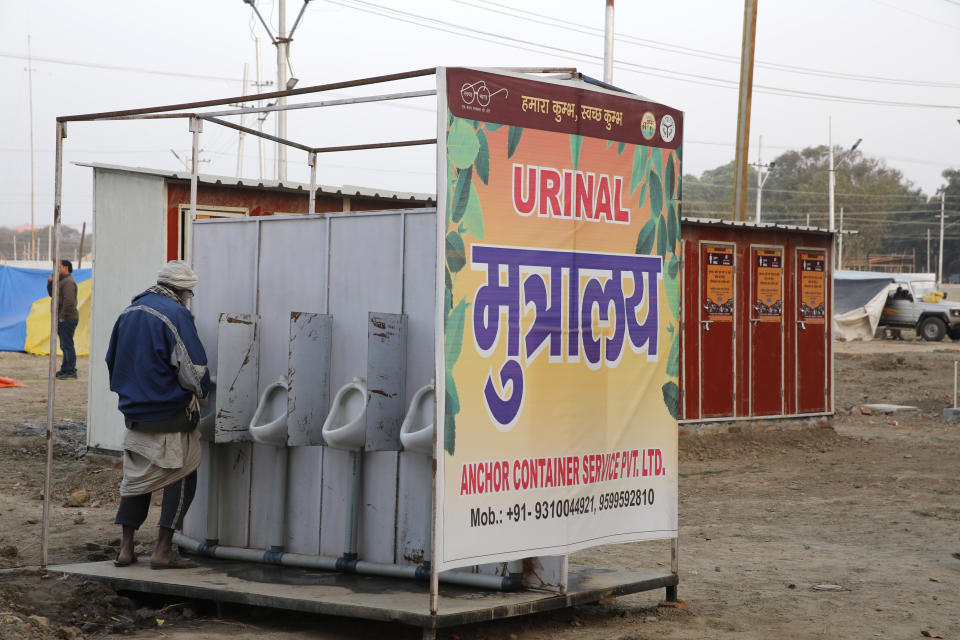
(177, 274)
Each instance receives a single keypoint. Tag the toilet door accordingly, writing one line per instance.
(717, 329)
(811, 328)
(766, 330)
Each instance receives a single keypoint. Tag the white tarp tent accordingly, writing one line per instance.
(859, 298)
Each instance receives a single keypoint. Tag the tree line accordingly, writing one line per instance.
(890, 215)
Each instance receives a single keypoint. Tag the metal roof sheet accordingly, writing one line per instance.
(750, 224)
(287, 185)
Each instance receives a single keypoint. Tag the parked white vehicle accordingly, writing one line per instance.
(919, 305)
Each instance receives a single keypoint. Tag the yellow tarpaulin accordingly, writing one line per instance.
(38, 324)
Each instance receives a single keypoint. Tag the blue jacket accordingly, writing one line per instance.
(156, 361)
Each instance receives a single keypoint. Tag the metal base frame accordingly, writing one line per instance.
(367, 597)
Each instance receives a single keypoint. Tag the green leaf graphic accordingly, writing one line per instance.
(671, 290)
(646, 236)
(483, 158)
(461, 193)
(643, 196)
(513, 139)
(453, 399)
(575, 143)
(673, 227)
(636, 177)
(662, 236)
(673, 360)
(456, 254)
(462, 144)
(449, 433)
(473, 216)
(671, 398)
(620, 147)
(491, 127)
(656, 157)
(673, 268)
(656, 195)
(453, 333)
(670, 179)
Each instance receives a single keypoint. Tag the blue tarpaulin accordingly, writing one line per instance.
(20, 289)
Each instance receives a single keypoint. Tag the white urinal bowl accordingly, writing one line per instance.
(269, 424)
(416, 432)
(346, 424)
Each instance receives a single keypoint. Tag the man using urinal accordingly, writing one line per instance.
(158, 368)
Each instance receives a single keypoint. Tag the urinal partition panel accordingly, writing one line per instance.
(386, 380)
(308, 371)
(238, 373)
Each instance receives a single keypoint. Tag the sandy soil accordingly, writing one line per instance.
(823, 533)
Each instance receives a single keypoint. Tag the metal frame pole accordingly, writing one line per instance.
(51, 379)
(196, 128)
(312, 161)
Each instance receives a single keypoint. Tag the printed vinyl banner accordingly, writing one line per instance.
(812, 287)
(769, 303)
(719, 289)
(560, 316)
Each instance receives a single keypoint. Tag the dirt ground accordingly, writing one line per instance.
(821, 533)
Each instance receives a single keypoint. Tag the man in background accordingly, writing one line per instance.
(67, 318)
(158, 369)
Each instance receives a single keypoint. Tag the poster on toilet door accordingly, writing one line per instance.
(558, 302)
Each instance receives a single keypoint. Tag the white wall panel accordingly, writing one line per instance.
(128, 218)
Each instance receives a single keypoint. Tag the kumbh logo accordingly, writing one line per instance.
(479, 92)
(566, 290)
(648, 126)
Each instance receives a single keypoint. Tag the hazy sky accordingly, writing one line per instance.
(886, 70)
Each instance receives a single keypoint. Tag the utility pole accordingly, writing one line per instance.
(840, 242)
(943, 195)
(282, 49)
(282, 42)
(243, 117)
(260, 116)
(761, 174)
(743, 109)
(928, 250)
(608, 45)
(34, 249)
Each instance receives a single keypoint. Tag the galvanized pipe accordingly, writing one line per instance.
(51, 374)
(108, 115)
(312, 161)
(325, 563)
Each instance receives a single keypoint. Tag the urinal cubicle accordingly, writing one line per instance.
(320, 333)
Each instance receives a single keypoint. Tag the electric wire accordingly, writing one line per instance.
(539, 18)
(524, 45)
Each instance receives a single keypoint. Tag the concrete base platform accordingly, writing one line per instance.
(368, 597)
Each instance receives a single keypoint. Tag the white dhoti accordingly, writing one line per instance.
(153, 461)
